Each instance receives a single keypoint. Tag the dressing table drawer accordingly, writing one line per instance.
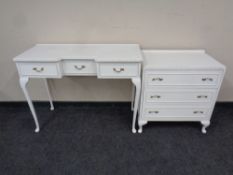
(40, 70)
(79, 67)
(115, 70)
(183, 79)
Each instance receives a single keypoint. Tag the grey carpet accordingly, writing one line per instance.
(96, 138)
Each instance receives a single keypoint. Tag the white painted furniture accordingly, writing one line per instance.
(113, 61)
(179, 85)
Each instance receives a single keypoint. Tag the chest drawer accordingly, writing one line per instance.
(79, 67)
(115, 70)
(49, 69)
(151, 113)
(183, 79)
(180, 96)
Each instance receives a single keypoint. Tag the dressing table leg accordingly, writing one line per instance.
(133, 97)
(137, 82)
(49, 94)
(23, 83)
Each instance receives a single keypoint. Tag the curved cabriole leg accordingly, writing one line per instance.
(137, 82)
(23, 83)
(133, 97)
(205, 124)
(141, 124)
(140, 129)
(49, 94)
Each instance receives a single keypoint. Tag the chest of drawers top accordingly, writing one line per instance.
(180, 60)
(96, 52)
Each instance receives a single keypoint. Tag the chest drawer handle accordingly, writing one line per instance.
(153, 112)
(79, 67)
(202, 96)
(38, 70)
(157, 79)
(198, 112)
(118, 70)
(207, 79)
(155, 96)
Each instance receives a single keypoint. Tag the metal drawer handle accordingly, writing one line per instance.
(157, 79)
(118, 70)
(207, 79)
(38, 70)
(153, 112)
(202, 96)
(79, 67)
(155, 96)
(198, 112)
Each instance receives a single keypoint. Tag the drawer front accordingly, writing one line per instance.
(175, 112)
(183, 79)
(39, 69)
(79, 67)
(115, 70)
(180, 96)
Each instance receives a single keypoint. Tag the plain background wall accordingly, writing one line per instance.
(160, 24)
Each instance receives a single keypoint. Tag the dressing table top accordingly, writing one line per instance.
(97, 52)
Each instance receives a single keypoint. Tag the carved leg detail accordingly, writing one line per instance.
(140, 129)
(141, 124)
(133, 97)
(49, 94)
(23, 83)
(205, 124)
(137, 82)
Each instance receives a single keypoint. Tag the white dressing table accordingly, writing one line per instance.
(110, 61)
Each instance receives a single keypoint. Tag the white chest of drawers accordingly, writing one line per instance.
(179, 86)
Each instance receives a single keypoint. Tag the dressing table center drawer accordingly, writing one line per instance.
(79, 67)
(180, 96)
(175, 112)
(118, 70)
(183, 79)
(47, 69)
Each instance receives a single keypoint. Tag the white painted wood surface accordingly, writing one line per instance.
(179, 85)
(97, 52)
(113, 61)
(180, 60)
